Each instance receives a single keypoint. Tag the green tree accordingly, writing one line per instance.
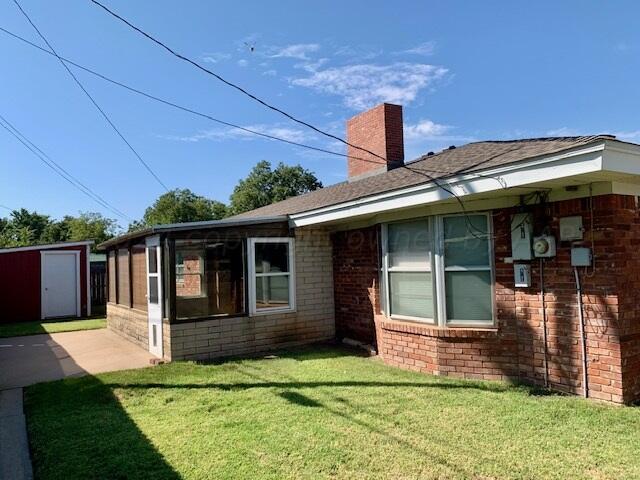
(24, 221)
(264, 186)
(90, 226)
(179, 206)
(13, 235)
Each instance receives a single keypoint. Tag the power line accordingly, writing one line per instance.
(435, 180)
(214, 119)
(7, 208)
(231, 84)
(106, 117)
(58, 169)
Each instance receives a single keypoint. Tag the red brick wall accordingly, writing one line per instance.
(356, 276)
(515, 349)
(379, 130)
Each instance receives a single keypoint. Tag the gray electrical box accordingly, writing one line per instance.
(521, 230)
(580, 257)
(522, 275)
(571, 228)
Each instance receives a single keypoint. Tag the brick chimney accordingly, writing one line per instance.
(378, 130)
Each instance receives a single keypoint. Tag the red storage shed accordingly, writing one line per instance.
(45, 281)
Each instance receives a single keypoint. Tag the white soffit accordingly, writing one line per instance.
(537, 171)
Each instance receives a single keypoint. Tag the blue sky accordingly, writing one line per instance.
(464, 71)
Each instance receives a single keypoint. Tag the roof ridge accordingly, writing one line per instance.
(549, 139)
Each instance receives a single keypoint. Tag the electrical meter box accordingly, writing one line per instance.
(522, 275)
(571, 228)
(521, 230)
(580, 257)
(544, 246)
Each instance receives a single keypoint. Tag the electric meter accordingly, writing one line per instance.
(544, 246)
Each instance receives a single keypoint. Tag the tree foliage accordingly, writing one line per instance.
(264, 186)
(179, 206)
(24, 228)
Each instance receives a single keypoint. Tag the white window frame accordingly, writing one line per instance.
(441, 284)
(387, 270)
(251, 256)
(436, 229)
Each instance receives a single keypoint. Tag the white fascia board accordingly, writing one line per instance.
(622, 158)
(46, 247)
(567, 164)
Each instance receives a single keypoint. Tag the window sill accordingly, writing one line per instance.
(392, 325)
(272, 311)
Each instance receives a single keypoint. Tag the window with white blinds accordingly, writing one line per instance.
(439, 270)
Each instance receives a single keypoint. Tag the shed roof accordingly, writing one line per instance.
(47, 246)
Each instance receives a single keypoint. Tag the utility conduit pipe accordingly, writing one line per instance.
(583, 340)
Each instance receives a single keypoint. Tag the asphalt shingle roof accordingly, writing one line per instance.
(472, 157)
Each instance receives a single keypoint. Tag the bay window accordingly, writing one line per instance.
(409, 276)
(439, 270)
(271, 275)
(467, 269)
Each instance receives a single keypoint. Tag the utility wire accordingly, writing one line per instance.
(7, 208)
(217, 120)
(58, 169)
(245, 92)
(231, 84)
(106, 117)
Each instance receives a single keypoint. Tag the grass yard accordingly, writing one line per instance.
(320, 413)
(52, 326)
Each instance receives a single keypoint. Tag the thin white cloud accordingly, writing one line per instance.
(270, 73)
(364, 85)
(424, 129)
(629, 136)
(242, 62)
(424, 49)
(623, 47)
(220, 134)
(358, 53)
(215, 57)
(563, 132)
(299, 51)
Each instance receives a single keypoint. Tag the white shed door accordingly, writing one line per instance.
(60, 284)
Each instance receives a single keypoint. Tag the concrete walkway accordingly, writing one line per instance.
(14, 447)
(40, 358)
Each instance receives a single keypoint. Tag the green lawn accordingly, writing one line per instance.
(52, 326)
(319, 413)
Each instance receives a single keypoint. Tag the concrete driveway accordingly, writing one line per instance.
(40, 358)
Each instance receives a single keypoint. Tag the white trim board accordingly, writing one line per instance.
(510, 176)
(88, 282)
(46, 247)
(43, 254)
(605, 160)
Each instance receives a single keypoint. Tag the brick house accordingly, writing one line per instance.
(512, 260)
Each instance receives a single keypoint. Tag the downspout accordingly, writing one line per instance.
(544, 325)
(585, 386)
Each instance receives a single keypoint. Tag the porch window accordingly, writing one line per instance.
(439, 270)
(123, 277)
(111, 265)
(271, 275)
(209, 278)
